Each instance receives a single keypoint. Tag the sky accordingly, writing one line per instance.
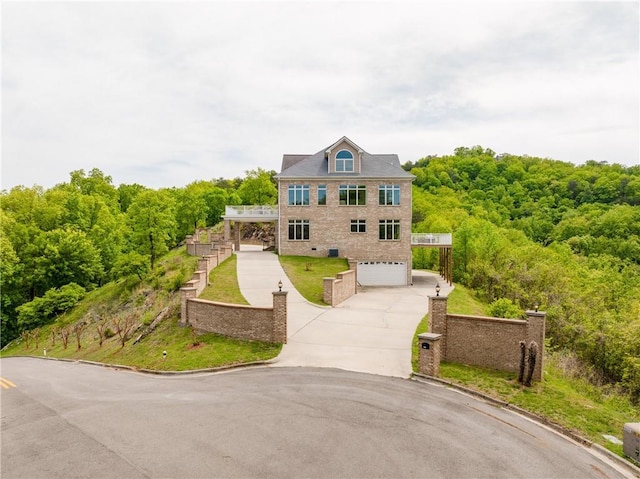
(167, 93)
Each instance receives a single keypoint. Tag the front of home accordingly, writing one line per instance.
(345, 202)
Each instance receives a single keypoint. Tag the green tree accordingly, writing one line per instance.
(258, 188)
(127, 193)
(68, 256)
(192, 207)
(152, 224)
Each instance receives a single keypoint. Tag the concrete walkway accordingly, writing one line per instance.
(371, 332)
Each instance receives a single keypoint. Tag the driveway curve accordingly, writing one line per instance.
(371, 332)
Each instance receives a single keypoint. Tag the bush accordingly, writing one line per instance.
(43, 310)
(504, 308)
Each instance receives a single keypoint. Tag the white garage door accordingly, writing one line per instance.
(382, 273)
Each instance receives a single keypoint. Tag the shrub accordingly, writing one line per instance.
(43, 310)
(504, 308)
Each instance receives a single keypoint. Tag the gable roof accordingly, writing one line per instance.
(316, 165)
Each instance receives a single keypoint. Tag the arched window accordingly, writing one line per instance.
(344, 161)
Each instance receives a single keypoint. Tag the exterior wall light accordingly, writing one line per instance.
(437, 289)
(280, 286)
(536, 306)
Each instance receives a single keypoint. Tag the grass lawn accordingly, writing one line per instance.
(223, 283)
(307, 273)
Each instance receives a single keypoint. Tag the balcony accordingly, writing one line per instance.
(431, 239)
(248, 213)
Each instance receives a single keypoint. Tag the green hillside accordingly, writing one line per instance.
(133, 322)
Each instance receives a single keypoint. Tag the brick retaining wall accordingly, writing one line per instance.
(486, 342)
(233, 320)
(339, 289)
(237, 321)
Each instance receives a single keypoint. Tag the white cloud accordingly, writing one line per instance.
(163, 94)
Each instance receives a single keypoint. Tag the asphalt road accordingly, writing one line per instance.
(65, 420)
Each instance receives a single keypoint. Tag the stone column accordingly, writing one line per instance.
(438, 320)
(237, 229)
(203, 265)
(227, 230)
(429, 353)
(535, 332)
(185, 295)
(280, 317)
(327, 290)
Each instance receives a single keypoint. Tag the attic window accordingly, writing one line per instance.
(344, 161)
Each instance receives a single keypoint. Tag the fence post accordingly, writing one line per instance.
(438, 320)
(185, 294)
(280, 317)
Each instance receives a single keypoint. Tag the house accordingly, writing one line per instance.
(345, 202)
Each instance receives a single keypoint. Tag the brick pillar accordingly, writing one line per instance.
(438, 320)
(210, 264)
(185, 294)
(203, 265)
(327, 290)
(429, 353)
(227, 230)
(280, 317)
(353, 266)
(190, 245)
(535, 332)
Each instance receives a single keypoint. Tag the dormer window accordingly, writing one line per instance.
(344, 161)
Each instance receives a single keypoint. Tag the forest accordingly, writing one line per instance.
(526, 231)
(530, 231)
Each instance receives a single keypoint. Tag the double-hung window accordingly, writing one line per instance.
(322, 194)
(298, 195)
(298, 230)
(352, 195)
(358, 226)
(389, 230)
(389, 195)
(344, 161)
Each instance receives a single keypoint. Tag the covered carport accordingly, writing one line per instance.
(444, 243)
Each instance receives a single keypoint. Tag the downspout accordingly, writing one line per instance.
(278, 220)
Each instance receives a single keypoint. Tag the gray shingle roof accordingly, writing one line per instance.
(316, 166)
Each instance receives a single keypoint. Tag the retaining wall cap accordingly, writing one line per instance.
(432, 336)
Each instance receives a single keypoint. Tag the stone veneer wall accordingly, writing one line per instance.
(487, 342)
(337, 290)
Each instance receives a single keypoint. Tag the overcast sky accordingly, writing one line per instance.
(164, 94)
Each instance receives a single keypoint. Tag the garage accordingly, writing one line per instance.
(382, 273)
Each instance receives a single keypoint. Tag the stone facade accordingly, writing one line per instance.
(337, 290)
(486, 342)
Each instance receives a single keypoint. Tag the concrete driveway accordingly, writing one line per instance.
(371, 332)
